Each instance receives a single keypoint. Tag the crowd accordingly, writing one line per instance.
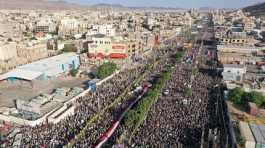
(109, 117)
(179, 119)
(58, 135)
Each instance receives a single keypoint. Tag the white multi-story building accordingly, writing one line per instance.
(107, 30)
(69, 24)
(234, 72)
(68, 27)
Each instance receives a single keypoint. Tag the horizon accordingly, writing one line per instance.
(173, 3)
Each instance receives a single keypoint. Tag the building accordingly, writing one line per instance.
(107, 30)
(32, 52)
(45, 25)
(68, 27)
(233, 41)
(44, 69)
(8, 51)
(247, 135)
(234, 72)
(107, 47)
(228, 54)
(259, 134)
(249, 23)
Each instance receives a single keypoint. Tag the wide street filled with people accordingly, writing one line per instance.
(179, 118)
(96, 130)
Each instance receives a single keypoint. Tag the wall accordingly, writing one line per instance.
(8, 51)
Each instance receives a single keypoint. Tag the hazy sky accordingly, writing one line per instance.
(176, 3)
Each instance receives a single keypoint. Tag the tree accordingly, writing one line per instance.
(257, 98)
(106, 69)
(235, 95)
(73, 72)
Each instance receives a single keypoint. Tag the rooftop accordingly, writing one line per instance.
(34, 70)
(233, 66)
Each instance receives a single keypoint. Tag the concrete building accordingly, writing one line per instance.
(107, 30)
(239, 54)
(8, 51)
(32, 52)
(233, 72)
(44, 69)
(107, 47)
(45, 25)
(68, 27)
(259, 134)
(249, 23)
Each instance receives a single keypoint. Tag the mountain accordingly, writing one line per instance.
(121, 7)
(64, 5)
(38, 4)
(256, 10)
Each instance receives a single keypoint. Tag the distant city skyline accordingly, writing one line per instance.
(175, 3)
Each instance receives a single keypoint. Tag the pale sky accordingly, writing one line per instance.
(176, 3)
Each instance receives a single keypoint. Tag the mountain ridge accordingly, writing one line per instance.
(256, 10)
(38, 4)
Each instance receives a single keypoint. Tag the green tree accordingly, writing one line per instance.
(73, 72)
(257, 98)
(106, 69)
(235, 95)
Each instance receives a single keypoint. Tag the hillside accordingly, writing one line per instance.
(256, 10)
(37, 4)
(101, 6)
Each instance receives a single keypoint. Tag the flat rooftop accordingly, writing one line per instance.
(10, 92)
(49, 66)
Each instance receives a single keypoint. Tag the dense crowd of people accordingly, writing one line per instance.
(109, 117)
(178, 119)
(58, 135)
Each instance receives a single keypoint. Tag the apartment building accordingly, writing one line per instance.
(45, 26)
(107, 30)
